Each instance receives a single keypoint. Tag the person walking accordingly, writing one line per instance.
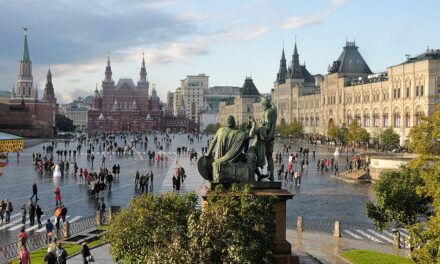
(92, 158)
(23, 214)
(63, 213)
(61, 254)
(103, 161)
(50, 258)
(58, 196)
(109, 180)
(22, 238)
(2, 211)
(49, 231)
(101, 210)
(31, 208)
(151, 181)
(85, 252)
(38, 213)
(57, 215)
(24, 255)
(34, 192)
(136, 178)
(8, 210)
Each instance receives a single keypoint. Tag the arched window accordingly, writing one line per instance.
(408, 120)
(385, 120)
(397, 120)
(366, 120)
(376, 120)
(358, 120)
(349, 119)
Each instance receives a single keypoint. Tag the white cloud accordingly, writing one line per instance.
(298, 22)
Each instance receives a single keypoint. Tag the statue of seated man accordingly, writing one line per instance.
(230, 163)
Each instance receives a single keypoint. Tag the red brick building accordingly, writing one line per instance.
(25, 114)
(125, 106)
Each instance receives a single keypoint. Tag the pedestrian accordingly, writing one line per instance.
(34, 192)
(166, 161)
(2, 211)
(24, 256)
(50, 258)
(336, 168)
(85, 252)
(136, 178)
(151, 180)
(103, 161)
(119, 169)
(63, 213)
(57, 215)
(61, 254)
(8, 210)
(101, 210)
(38, 213)
(58, 196)
(31, 213)
(109, 180)
(49, 231)
(22, 238)
(23, 214)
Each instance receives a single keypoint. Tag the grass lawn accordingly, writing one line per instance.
(360, 256)
(37, 257)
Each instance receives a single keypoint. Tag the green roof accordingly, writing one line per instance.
(25, 53)
(6, 136)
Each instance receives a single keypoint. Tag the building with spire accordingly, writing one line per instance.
(242, 106)
(291, 84)
(351, 92)
(25, 114)
(125, 106)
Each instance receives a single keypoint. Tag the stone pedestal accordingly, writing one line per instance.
(66, 230)
(114, 210)
(282, 248)
(98, 218)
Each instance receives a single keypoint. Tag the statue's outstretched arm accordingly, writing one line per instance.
(212, 145)
(253, 130)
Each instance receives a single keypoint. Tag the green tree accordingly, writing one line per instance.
(63, 123)
(212, 128)
(389, 137)
(357, 134)
(338, 133)
(236, 226)
(424, 140)
(294, 129)
(398, 203)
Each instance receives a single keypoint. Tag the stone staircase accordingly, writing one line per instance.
(355, 176)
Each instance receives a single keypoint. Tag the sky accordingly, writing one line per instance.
(227, 40)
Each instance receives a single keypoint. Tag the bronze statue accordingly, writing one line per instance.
(233, 161)
(229, 164)
(265, 139)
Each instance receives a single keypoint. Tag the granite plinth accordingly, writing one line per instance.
(282, 248)
(257, 185)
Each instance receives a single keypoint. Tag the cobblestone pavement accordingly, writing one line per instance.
(327, 248)
(320, 199)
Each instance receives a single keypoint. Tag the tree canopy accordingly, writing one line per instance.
(63, 123)
(398, 203)
(294, 129)
(212, 128)
(357, 133)
(424, 140)
(338, 133)
(236, 226)
(389, 138)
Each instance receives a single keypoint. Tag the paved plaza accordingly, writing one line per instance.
(320, 199)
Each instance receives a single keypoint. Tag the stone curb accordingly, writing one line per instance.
(344, 259)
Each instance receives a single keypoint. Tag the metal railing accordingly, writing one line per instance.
(39, 240)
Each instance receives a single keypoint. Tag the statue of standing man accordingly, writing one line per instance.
(265, 139)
